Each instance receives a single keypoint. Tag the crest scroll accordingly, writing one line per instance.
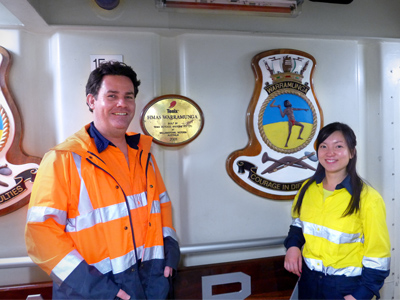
(283, 119)
(17, 169)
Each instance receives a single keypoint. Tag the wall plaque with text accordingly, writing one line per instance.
(172, 120)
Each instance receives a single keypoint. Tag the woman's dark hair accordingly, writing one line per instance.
(355, 180)
(110, 68)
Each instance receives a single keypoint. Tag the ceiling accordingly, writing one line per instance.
(7, 18)
(360, 18)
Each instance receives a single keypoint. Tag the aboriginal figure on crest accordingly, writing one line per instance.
(289, 112)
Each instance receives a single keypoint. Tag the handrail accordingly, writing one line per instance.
(25, 261)
(235, 245)
(16, 262)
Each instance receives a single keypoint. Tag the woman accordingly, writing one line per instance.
(339, 222)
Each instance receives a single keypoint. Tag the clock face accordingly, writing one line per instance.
(172, 120)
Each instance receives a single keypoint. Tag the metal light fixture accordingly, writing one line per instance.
(333, 1)
(283, 7)
(107, 4)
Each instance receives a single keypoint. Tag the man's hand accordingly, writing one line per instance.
(167, 272)
(293, 260)
(349, 297)
(122, 295)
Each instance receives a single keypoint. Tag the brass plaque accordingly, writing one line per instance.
(172, 120)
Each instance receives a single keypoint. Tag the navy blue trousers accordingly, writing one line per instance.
(316, 285)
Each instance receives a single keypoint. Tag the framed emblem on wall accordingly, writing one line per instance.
(283, 119)
(17, 169)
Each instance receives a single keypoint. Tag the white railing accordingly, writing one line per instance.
(25, 261)
(235, 245)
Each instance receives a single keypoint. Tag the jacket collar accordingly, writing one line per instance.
(344, 184)
(81, 143)
(102, 143)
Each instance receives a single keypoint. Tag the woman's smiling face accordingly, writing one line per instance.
(334, 154)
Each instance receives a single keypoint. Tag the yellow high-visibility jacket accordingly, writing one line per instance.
(79, 225)
(352, 245)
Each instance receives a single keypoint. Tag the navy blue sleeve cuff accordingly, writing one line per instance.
(372, 281)
(295, 238)
(172, 252)
(86, 282)
(363, 293)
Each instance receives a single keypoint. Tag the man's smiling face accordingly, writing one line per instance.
(114, 107)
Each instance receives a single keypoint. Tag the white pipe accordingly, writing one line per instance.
(16, 262)
(25, 261)
(200, 248)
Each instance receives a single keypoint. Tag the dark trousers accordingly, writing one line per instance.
(316, 285)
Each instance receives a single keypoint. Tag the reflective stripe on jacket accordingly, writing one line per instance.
(80, 213)
(338, 245)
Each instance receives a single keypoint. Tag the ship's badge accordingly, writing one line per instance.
(17, 169)
(283, 119)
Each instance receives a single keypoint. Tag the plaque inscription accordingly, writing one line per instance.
(172, 120)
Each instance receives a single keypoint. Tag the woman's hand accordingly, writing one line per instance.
(293, 260)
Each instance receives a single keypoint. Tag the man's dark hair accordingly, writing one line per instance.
(110, 68)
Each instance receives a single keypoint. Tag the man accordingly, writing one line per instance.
(99, 220)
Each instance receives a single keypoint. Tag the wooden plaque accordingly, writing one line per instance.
(283, 120)
(17, 169)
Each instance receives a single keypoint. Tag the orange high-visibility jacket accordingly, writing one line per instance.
(79, 213)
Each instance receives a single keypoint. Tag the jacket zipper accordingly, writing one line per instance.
(126, 202)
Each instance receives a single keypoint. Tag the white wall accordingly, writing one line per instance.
(356, 81)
